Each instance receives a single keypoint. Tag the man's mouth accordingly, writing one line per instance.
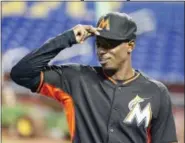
(103, 61)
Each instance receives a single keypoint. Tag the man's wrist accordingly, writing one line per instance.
(71, 37)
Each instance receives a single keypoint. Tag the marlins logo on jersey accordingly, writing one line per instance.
(137, 113)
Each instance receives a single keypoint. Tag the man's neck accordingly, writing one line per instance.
(123, 73)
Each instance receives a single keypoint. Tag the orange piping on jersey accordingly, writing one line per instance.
(132, 79)
(111, 79)
(149, 135)
(41, 81)
(66, 100)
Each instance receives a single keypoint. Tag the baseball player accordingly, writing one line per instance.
(113, 103)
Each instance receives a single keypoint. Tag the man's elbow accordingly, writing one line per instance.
(24, 76)
(15, 74)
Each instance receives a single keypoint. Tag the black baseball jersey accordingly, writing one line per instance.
(99, 109)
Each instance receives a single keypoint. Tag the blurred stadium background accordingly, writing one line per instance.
(159, 52)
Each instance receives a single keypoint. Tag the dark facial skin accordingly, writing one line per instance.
(112, 54)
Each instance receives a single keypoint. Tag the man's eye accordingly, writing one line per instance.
(98, 44)
(104, 44)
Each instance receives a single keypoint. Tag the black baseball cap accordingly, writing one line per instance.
(117, 26)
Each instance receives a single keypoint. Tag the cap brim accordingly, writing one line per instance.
(108, 35)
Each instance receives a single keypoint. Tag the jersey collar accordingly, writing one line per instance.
(137, 74)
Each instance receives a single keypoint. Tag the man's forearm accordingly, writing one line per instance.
(31, 65)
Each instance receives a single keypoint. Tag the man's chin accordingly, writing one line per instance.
(108, 67)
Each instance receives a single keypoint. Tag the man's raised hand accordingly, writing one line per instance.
(82, 32)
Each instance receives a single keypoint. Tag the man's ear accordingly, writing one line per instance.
(131, 45)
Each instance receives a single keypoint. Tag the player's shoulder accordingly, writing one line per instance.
(73, 69)
(80, 69)
(155, 84)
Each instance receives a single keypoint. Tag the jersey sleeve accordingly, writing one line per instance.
(55, 83)
(163, 127)
(33, 68)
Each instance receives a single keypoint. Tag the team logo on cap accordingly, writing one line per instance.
(104, 24)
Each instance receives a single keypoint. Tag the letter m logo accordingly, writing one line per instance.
(104, 24)
(139, 115)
